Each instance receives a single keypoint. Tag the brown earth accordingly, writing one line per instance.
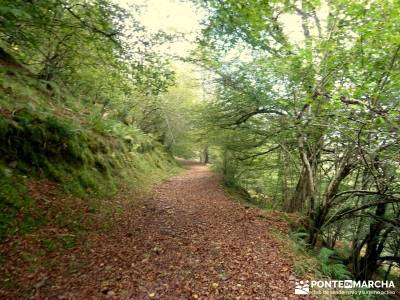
(187, 240)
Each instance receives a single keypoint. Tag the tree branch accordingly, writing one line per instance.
(258, 111)
(345, 212)
(390, 258)
(109, 35)
(259, 154)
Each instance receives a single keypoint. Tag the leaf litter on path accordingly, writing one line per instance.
(187, 241)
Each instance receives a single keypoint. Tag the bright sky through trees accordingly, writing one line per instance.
(170, 16)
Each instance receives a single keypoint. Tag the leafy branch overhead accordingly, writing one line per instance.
(307, 102)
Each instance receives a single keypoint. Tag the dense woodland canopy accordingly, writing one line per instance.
(311, 125)
(302, 123)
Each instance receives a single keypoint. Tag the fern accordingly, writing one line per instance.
(332, 267)
(299, 235)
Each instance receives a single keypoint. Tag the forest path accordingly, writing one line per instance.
(188, 240)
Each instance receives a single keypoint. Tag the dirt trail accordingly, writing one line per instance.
(186, 241)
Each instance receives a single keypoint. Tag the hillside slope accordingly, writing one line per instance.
(48, 138)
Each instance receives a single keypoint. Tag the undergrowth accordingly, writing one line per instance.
(318, 264)
(308, 264)
(45, 134)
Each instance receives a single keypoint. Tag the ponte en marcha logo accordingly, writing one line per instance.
(305, 287)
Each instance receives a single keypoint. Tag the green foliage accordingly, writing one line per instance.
(316, 265)
(173, 118)
(331, 265)
(74, 87)
(13, 197)
(305, 261)
(79, 42)
(307, 119)
(83, 161)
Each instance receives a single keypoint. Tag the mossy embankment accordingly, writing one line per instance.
(48, 135)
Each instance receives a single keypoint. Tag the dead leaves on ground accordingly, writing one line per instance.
(187, 241)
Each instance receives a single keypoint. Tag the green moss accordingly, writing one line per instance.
(46, 135)
(83, 162)
(13, 197)
(89, 158)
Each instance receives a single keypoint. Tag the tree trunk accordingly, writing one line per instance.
(301, 194)
(206, 155)
(396, 253)
(369, 263)
(318, 217)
